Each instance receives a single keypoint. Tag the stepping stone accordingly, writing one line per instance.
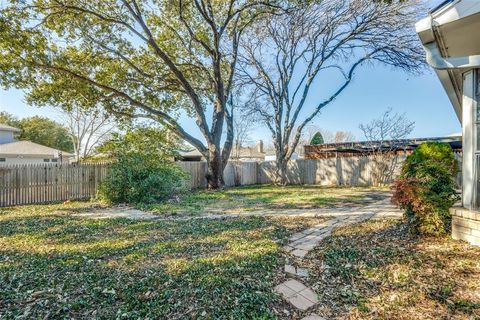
(299, 253)
(297, 294)
(300, 272)
(313, 316)
(290, 269)
(296, 236)
(303, 273)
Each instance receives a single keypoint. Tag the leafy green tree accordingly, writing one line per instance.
(137, 59)
(9, 119)
(317, 138)
(151, 142)
(46, 132)
(40, 130)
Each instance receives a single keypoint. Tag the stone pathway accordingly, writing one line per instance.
(297, 294)
(298, 246)
(301, 243)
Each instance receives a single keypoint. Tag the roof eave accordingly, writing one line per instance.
(448, 69)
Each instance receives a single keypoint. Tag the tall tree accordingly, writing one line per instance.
(343, 136)
(138, 59)
(287, 55)
(242, 128)
(87, 128)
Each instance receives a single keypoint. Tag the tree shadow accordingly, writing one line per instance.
(82, 268)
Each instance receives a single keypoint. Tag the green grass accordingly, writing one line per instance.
(56, 265)
(265, 197)
(377, 270)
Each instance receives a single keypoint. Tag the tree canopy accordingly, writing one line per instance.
(319, 46)
(317, 138)
(40, 130)
(155, 59)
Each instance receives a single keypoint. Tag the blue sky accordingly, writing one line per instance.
(374, 89)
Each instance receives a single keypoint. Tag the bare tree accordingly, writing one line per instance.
(87, 129)
(242, 128)
(343, 136)
(287, 55)
(383, 138)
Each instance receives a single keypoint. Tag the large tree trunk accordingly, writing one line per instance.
(214, 168)
(281, 171)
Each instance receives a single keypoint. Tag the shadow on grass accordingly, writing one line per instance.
(61, 266)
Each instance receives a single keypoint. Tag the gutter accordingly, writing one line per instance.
(435, 59)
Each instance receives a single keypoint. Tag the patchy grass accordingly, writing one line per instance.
(265, 197)
(376, 270)
(56, 265)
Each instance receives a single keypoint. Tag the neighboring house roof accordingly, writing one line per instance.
(4, 127)
(191, 153)
(28, 148)
(248, 152)
(367, 147)
(253, 152)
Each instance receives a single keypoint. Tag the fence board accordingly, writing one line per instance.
(32, 184)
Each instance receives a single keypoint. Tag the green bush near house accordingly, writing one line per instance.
(426, 188)
(317, 139)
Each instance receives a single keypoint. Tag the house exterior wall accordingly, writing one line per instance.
(6, 137)
(466, 219)
(468, 128)
(29, 160)
(466, 225)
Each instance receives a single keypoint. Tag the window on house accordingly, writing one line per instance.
(3, 160)
(54, 160)
(46, 160)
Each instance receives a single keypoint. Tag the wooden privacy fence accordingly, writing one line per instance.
(30, 184)
(347, 171)
(354, 171)
(44, 183)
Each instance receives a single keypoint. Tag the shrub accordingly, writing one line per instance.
(426, 188)
(141, 180)
(317, 139)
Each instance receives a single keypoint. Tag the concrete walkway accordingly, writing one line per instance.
(301, 243)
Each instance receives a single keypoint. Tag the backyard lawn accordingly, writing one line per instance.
(56, 265)
(267, 197)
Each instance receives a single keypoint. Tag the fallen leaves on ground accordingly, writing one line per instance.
(377, 270)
